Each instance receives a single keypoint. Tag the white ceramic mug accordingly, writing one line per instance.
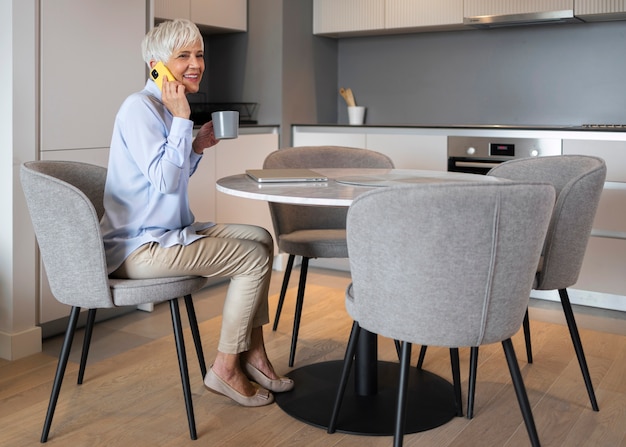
(225, 124)
(356, 115)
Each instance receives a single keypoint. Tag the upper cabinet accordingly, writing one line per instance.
(425, 15)
(345, 18)
(600, 10)
(211, 15)
(332, 17)
(359, 17)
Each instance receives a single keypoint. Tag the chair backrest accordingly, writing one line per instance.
(289, 218)
(64, 199)
(446, 264)
(578, 181)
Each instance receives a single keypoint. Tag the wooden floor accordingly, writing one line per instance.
(132, 394)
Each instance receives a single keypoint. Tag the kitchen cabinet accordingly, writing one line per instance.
(231, 157)
(473, 8)
(212, 15)
(89, 63)
(605, 259)
(353, 17)
(347, 16)
(407, 149)
(79, 96)
(600, 10)
(423, 15)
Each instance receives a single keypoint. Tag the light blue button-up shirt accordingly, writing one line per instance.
(150, 162)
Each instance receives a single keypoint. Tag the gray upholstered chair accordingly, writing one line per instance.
(578, 181)
(313, 231)
(448, 264)
(65, 204)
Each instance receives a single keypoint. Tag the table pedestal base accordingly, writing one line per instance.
(430, 400)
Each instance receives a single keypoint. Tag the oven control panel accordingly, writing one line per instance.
(498, 148)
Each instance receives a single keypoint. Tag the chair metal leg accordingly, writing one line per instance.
(345, 372)
(529, 348)
(520, 391)
(578, 346)
(405, 364)
(398, 345)
(471, 388)
(182, 363)
(299, 304)
(91, 318)
(195, 333)
(283, 290)
(420, 359)
(58, 378)
(456, 380)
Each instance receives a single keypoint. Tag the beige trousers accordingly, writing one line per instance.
(242, 252)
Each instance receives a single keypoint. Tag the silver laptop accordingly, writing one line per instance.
(285, 175)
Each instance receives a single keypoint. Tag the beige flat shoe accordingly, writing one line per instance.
(279, 385)
(214, 383)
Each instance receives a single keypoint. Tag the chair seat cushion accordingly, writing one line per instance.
(130, 292)
(329, 243)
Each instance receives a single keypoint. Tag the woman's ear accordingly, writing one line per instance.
(153, 63)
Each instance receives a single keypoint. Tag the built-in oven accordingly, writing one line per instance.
(477, 155)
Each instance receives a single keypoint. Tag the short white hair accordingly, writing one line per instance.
(163, 40)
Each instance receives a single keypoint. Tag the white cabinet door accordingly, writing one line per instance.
(202, 188)
(227, 14)
(425, 13)
(411, 151)
(172, 9)
(315, 136)
(342, 16)
(600, 10)
(90, 62)
(224, 15)
(234, 157)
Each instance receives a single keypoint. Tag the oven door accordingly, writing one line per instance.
(472, 165)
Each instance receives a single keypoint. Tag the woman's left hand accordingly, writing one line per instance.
(205, 138)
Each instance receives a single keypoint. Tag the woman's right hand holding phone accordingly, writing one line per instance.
(175, 99)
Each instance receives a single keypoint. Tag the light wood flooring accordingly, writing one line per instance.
(132, 395)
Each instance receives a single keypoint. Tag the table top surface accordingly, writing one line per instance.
(342, 187)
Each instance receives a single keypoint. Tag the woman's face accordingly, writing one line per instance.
(187, 66)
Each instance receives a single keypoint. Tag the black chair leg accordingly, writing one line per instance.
(299, 304)
(578, 346)
(529, 348)
(456, 380)
(345, 372)
(283, 290)
(520, 391)
(58, 378)
(398, 345)
(420, 359)
(405, 364)
(195, 333)
(471, 388)
(91, 319)
(182, 363)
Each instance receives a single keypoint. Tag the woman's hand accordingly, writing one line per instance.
(174, 97)
(205, 138)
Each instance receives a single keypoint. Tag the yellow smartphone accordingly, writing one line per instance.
(158, 72)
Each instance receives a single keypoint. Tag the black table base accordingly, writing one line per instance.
(430, 400)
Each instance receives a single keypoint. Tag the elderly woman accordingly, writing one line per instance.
(149, 230)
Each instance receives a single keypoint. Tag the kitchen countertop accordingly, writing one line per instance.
(559, 127)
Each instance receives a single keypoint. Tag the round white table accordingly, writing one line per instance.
(369, 404)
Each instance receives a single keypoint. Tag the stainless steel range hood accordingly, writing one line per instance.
(534, 18)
